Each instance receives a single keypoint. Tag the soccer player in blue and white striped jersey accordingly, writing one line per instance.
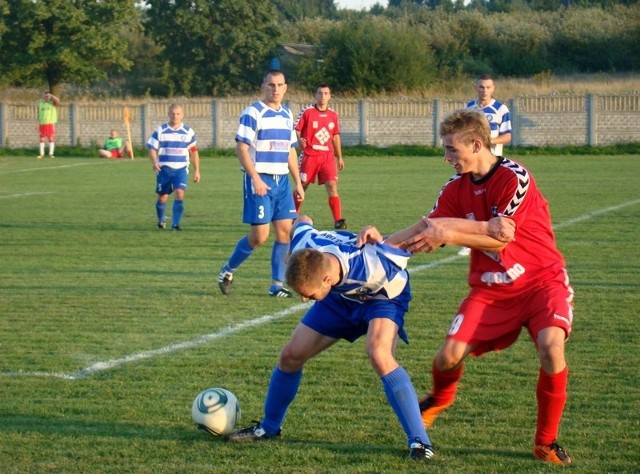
(496, 112)
(265, 147)
(172, 147)
(359, 289)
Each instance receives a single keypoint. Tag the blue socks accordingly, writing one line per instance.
(242, 252)
(178, 210)
(161, 208)
(404, 401)
(283, 388)
(278, 260)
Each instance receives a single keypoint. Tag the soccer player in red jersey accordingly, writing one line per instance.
(516, 283)
(318, 129)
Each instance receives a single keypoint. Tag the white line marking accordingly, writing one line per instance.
(199, 341)
(49, 168)
(24, 195)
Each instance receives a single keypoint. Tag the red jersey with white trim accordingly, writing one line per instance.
(508, 190)
(318, 129)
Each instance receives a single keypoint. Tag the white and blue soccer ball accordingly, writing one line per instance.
(216, 411)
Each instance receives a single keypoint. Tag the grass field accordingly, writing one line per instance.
(110, 327)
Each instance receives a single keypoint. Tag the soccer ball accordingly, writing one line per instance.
(216, 411)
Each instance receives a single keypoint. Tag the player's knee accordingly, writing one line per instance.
(447, 360)
(290, 360)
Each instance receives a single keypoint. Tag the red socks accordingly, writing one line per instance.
(445, 385)
(336, 207)
(551, 394)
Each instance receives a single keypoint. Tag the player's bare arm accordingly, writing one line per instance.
(195, 161)
(295, 173)
(337, 146)
(242, 152)
(153, 156)
(462, 232)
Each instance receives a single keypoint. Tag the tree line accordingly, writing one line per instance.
(222, 47)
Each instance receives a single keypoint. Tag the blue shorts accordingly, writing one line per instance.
(341, 318)
(276, 205)
(169, 179)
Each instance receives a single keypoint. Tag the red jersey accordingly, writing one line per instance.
(318, 129)
(508, 190)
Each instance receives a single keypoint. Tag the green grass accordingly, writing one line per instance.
(86, 278)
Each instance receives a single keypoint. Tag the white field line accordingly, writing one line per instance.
(207, 338)
(57, 167)
(9, 196)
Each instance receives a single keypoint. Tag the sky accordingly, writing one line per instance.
(359, 4)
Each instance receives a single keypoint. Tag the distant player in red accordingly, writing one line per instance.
(515, 284)
(318, 130)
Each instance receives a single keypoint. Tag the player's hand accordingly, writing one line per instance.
(299, 192)
(502, 229)
(196, 177)
(433, 237)
(260, 187)
(368, 235)
(340, 164)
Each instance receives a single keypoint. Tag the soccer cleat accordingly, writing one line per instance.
(464, 251)
(162, 224)
(419, 451)
(252, 433)
(40, 157)
(340, 224)
(552, 453)
(280, 293)
(430, 411)
(176, 227)
(225, 280)
(51, 156)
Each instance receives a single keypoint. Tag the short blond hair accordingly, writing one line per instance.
(306, 267)
(468, 125)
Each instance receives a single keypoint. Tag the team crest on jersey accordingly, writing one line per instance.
(314, 124)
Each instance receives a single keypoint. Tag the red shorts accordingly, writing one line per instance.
(323, 167)
(488, 324)
(48, 131)
(116, 154)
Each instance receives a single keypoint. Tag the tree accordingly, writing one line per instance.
(54, 41)
(371, 55)
(213, 47)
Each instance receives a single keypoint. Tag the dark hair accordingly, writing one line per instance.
(322, 86)
(274, 72)
(484, 77)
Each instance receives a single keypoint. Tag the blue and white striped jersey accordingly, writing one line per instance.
(270, 136)
(172, 145)
(499, 120)
(373, 271)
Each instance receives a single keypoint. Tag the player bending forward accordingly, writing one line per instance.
(359, 290)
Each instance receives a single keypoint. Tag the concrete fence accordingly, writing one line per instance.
(558, 120)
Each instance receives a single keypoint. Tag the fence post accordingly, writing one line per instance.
(215, 123)
(73, 124)
(364, 122)
(3, 124)
(515, 122)
(437, 113)
(144, 119)
(592, 119)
